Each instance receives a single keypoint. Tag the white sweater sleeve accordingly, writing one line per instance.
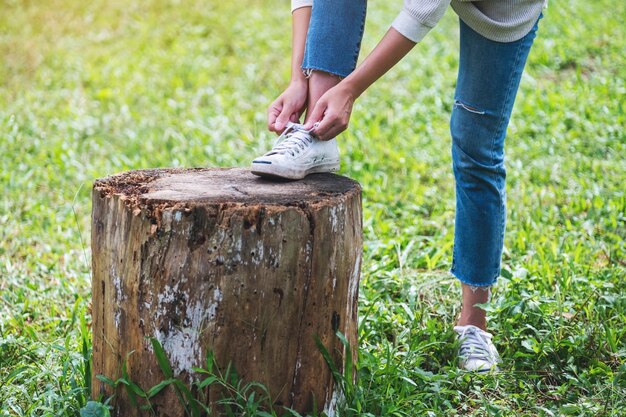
(296, 4)
(418, 17)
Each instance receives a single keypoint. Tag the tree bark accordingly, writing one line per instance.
(218, 260)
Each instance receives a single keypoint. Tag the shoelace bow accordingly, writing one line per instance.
(474, 346)
(293, 139)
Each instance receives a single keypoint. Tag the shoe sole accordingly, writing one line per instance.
(480, 369)
(275, 171)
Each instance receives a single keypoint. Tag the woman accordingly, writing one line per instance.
(495, 39)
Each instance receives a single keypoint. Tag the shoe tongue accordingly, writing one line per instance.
(301, 135)
(472, 329)
(297, 137)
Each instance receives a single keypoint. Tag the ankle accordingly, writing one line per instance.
(471, 313)
(473, 320)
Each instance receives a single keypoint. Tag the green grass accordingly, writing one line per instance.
(92, 88)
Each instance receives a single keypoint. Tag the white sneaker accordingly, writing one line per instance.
(476, 353)
(297, 154)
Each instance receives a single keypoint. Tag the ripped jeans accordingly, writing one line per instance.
(487, 83)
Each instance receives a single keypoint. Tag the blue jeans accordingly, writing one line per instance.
(487, 83)
(334, 37)
(489, 76)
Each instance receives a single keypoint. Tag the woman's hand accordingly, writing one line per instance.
(332, 111)
(288, 107)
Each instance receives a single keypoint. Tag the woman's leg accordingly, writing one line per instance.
(333, 40)
(319, 83)
(488, 80)
(333, 44)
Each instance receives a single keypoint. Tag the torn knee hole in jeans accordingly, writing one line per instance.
(471, 109)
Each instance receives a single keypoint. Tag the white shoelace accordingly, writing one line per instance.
(474, 346)
(292, 141)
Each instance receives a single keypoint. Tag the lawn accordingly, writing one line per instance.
(88, 89)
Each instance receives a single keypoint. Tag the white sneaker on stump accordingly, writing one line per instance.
(477, 352)
(297, 154)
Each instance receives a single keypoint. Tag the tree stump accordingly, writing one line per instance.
(218, 260)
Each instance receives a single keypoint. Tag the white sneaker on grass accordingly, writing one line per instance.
(477, 352)
(297, 154)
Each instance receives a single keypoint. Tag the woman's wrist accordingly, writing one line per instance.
(299, 80)
(351, 87)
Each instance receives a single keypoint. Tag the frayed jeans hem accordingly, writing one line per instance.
(473, 283)
(308, 70)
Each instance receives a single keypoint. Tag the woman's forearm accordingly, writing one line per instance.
(290, 105)
(300, 26)
(332, 111)
(389, 51)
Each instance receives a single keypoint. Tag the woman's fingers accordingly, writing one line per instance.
(330, 127)
(335, 130)
(316, 115)
(284, 117)
(273, 112)
(279, 115)
(328, 131)
(332, 112)
(325, 126)
(330, 124)
(295, 117)
(287, 107)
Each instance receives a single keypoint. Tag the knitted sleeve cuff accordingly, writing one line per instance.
(296, 4)
(409, 26)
